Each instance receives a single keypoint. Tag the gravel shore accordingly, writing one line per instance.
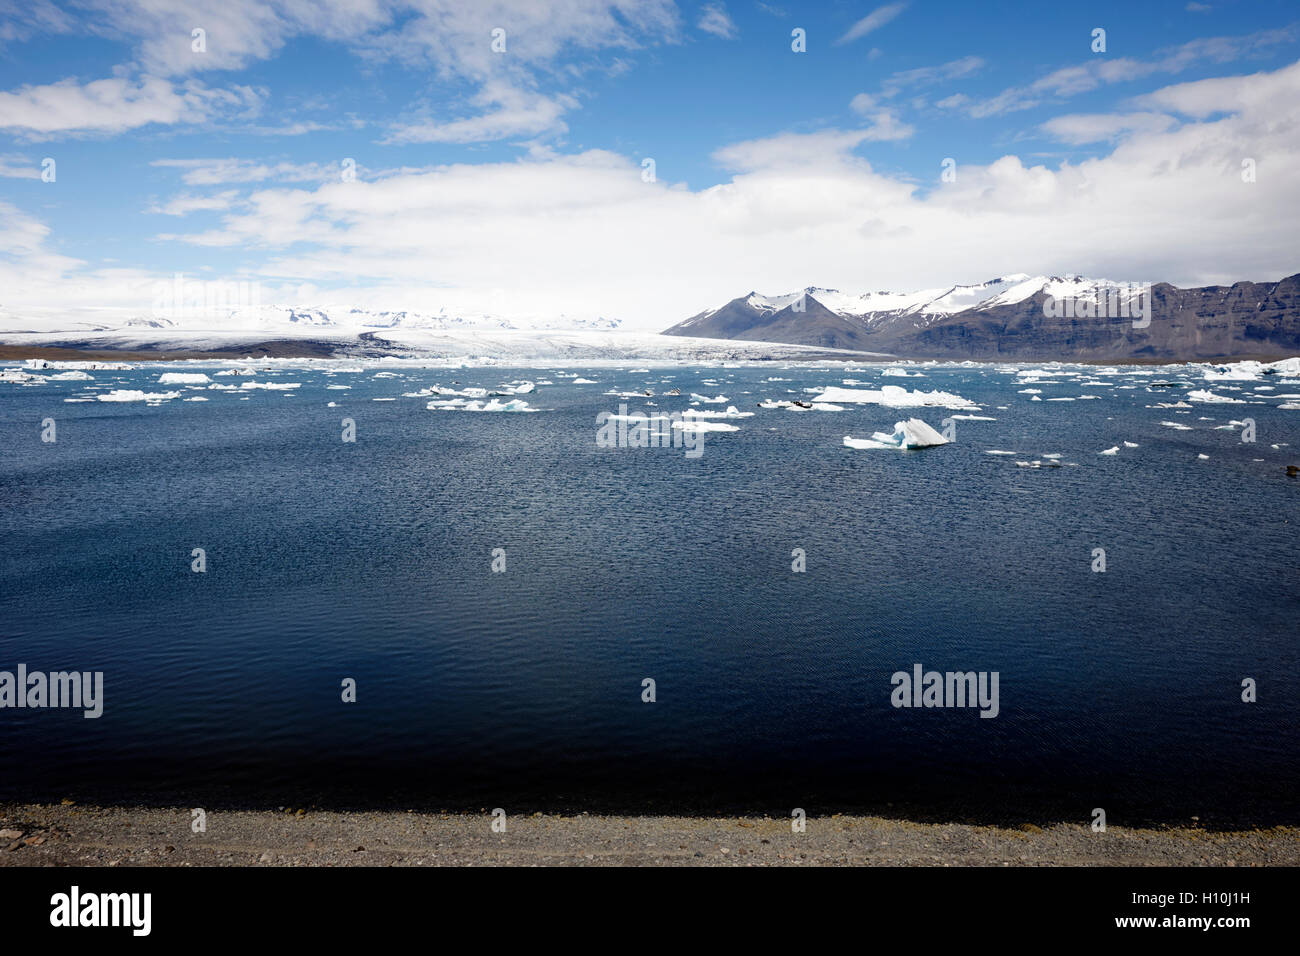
(72, 835)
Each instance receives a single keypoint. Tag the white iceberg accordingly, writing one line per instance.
(912, 433)
(183, 378)
(134, 395)
(893, 396)
(1208, 397)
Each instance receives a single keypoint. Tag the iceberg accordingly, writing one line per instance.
(912, 433)
(183, 378)
(134, 395)
(1208, 397)
(893, 396)
(696, 426)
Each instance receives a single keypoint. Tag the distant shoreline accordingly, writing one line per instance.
(311, 349)
(74, 835)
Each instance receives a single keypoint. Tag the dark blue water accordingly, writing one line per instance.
(522, 689)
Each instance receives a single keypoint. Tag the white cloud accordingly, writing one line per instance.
(510, 112)
(1079, 128)
(715, 19)
(872, 21)
(1101, 71)
(212, 172)
(115, 104)
(582, 234)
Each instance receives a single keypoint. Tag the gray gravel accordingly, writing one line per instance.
(40, 835)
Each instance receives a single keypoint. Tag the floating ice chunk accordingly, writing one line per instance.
(826, 407)
(271, 386)
(973, 418)
(135, 395)
(1110, 451)
(1203, 457)
(912, 433)
(731, 412)
(1178, 425)
(697, 426)
(249, 371)
(491, 405)
(72, 376)
(183, 378)
(1207, 396)
(894, 396)
(710, 401)
(1036, 399)
(998, 451)
(18, 375)
(1130, 444)
(583, 381)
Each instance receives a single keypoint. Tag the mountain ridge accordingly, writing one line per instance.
(1023, 317)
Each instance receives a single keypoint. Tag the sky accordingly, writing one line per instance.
(639, 160)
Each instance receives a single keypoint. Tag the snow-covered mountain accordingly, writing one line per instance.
(1023, 316)
(284, 318)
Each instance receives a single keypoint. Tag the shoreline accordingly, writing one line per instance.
(333, 351)
(74, 835)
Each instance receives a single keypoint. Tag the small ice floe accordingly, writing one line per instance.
(1290, 406)
(826, 407)
(1031, 391)
(135, 395)
(491, 405)
(893, 396)
(183, 378)
(517, 388)
(1035, 399)
(1170, 405)
(1178, 425)
(250, 371)
(336, 387)
(1209, 397)
(583, 381)
(1130, 444)
(637, 418)
(697, 426)
(72, 376)
(998, 451)
(1203, 457)
(897, 372)
(18, 375)
(1060, 399)
(375, 399)
(270, 386)
(973, 418)
(731, 412)
(1036, 463)
(708, 401)
(1110, 451)
(332, 405)
(909, 434)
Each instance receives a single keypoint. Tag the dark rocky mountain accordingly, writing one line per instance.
(1246, 319)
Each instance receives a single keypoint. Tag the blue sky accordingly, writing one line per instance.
(512, 181)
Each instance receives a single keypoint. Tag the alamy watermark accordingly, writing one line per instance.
(1125, 300)
(949, 689)
(646, 430)
(183, 298)
(74, 689)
